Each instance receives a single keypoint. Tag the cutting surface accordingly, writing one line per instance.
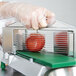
(49, 59)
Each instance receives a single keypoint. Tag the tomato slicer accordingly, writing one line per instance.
(57, 57)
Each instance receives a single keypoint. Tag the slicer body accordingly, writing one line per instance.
(53, 55)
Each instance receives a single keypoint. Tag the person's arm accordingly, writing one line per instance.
(31, 16)
(2, 3)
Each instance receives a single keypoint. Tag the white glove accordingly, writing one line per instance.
(31, 16)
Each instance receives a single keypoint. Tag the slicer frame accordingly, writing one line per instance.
(9, 32)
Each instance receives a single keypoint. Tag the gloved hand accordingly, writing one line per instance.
(31, 16)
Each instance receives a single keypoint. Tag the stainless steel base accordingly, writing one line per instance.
(29, 68)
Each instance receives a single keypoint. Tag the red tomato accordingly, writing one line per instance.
(35, 42)
(61, 39)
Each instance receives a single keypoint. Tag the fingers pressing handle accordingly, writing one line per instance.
(34, 21)
(41, 18)
(50, 17)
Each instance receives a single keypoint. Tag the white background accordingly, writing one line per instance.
(65, 10)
